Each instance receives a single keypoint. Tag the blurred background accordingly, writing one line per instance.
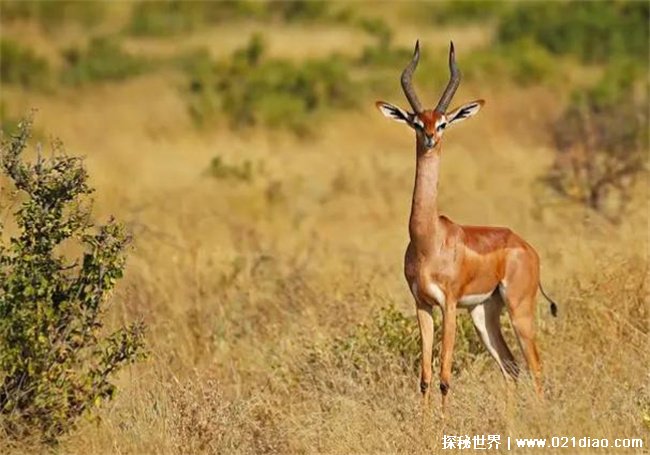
(269, 201)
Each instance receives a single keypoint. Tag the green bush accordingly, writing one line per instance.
(54, 13)
(102, 60)
(381, 53)
(390, 334)
(21, 66)
(56, 272)
(10, 123)
(530, 36)
(392, 340)
(219, 169)
(300, 10)
(592, 31)
(250, 89)
(462, 11)
(524, 61)
(602, 141)
(171, 17)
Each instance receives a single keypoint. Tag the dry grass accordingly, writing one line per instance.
(245, 286)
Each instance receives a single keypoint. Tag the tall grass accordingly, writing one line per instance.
(279, 320)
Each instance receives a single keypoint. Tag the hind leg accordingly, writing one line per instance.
(485, 317)
(519, 289)
(522, 315)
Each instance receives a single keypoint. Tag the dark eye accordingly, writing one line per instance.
(441, 126)
(418, 126)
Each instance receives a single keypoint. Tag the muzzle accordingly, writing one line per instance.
(428, 142)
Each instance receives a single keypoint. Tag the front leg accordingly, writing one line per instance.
(446, 354)
(425, 322)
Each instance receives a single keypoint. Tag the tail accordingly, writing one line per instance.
(550, 300)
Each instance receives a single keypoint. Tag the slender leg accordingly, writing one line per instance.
(485, 317)
(448, 339)
(425, 321)
(518, 288)
(522, 315)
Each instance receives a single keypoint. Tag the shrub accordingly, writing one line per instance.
(53, 13)
(10, 123)
(524, 61)
(221, 170)
(389, 333)
(377, 28)
(102, 60)
(390, 340)
(56, 271)
(601, 141)
(301, 10)
(531, 34)
(381, 52)
(251, 90)
(171, 17)
(592, 31)
(463, 11)
(21, 66)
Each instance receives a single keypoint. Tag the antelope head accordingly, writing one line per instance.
(428, 124)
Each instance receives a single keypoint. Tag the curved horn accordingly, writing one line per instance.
(454, 82)
(407, 86)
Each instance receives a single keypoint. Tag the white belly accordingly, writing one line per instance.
(437, 293)
(474, 299)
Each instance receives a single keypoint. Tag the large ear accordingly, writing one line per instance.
(394, 112)
(465, 111)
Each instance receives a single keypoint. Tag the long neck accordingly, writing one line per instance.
(424, 207)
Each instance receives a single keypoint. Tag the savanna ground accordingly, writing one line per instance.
(267, 261)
